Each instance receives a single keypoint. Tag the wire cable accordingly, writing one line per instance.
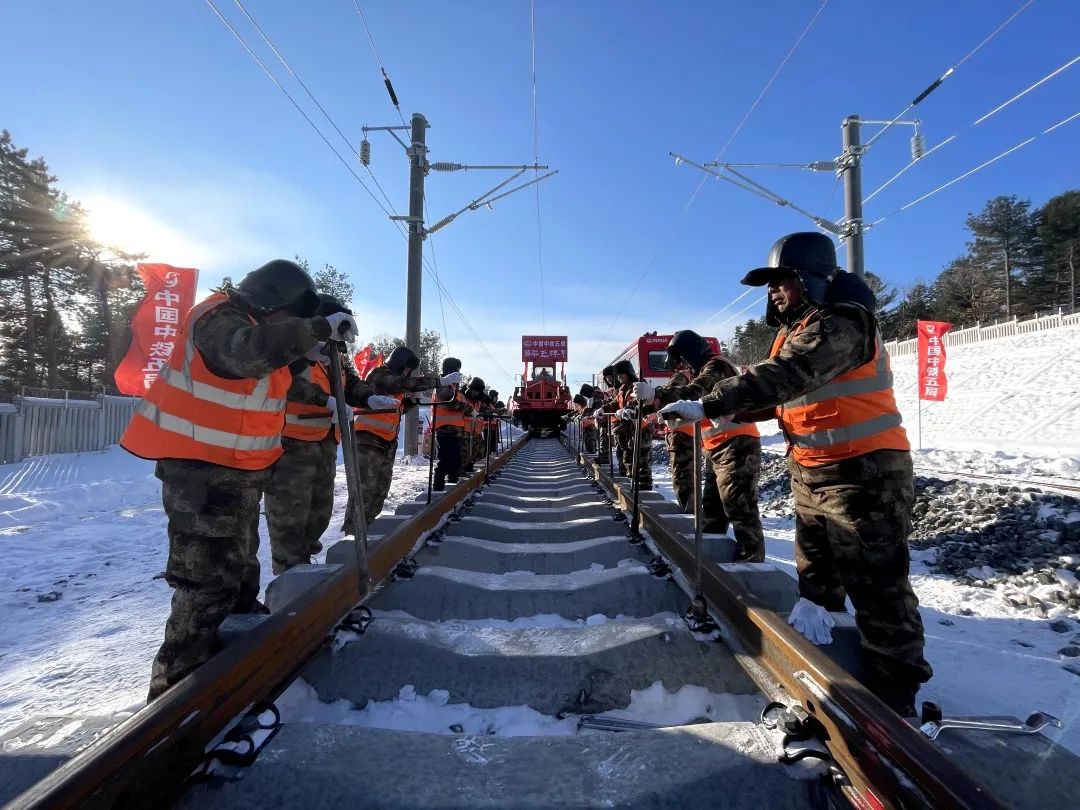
(742, 123)
(978, 121)
(299, 109)
(434, 269)
(978, 168)
(536, 162)
(726, 307)
(938, 82)
(348, 167)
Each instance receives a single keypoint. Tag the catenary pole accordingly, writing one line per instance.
(851, 169)
(418, 167)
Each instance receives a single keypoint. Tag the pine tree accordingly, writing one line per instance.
(1059, 233)
(1005, 241)
(968, 292)
(916, 305)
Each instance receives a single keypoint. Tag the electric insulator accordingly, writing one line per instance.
(918, 145)
(365, 152)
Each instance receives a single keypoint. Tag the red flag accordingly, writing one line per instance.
(933, 384)
(361, 359)
(374, 363)
(170, 293)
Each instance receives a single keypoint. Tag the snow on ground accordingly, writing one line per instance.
(82, 545)
(1020, 393)
(434, 713)
(989, 656)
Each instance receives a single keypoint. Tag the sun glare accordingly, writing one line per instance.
(120, 225)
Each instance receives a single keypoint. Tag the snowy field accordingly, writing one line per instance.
(82, 547)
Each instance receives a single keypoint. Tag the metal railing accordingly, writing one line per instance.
(79, 422)
(998, 329)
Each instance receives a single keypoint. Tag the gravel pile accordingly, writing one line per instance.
(1022, 541)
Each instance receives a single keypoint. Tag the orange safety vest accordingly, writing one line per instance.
(191, 413)
(384, 425)
(309, 430)
(448, 417)
(851, 415)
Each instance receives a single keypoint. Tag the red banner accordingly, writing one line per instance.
(933, 384)
(365, 363)
(543, 348)
(170, 293)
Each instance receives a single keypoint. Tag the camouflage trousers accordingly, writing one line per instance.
(588, 439)
(604, 443)
(375, 461)
(680, 449)
(213, 564)
(448, 459)
(300, 499)
(852, 520)
(729, 495)
(625, 443)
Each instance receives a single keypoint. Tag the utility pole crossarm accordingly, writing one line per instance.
(757, 188)
(487, 199)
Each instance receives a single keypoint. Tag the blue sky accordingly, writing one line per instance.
(155, 116)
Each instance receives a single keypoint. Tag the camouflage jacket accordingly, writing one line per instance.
(679, 387)
(836, 340)
(234, 348)
(357, 391)
(384, 381)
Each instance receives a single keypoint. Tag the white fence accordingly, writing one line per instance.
(998, 329)
(33, 426)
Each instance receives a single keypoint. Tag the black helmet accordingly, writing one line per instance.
(450, 365)
(329, 304)
(402, 358)
(279, 284)
(493, 395)
(587, 390)
(808, 256)
(687, 346)
(580, 400)
(477, 384)
(608, 373)
(624, 367)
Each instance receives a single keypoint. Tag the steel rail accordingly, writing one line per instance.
(145, 761)
(884, 762)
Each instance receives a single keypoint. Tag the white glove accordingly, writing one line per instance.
(812, 620)
(599, 413)
(317, 353)
(643, 392)
(626, 414)
(331, 405)
(342, 326)
(453, 378)
(685, 410)
(379, 402)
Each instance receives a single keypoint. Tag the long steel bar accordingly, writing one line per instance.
(146, 759)
(880, 755)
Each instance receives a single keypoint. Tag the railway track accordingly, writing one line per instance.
(526, 592)
(1049, 484)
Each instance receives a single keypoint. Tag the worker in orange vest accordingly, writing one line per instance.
(212, 420)
(471, 451)
(588, 420)
(377, 433)
(729, 488)
(300, 494)
(626, 427)
(448, 424)
(605, 417)
(828, 382)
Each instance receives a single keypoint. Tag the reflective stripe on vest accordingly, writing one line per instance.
(719, 431)
(191, 413)
(449, 417)
(383, 425)
(309, 430)
(850, 416)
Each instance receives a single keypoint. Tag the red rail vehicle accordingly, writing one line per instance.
(543, 397)
(648, 354)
